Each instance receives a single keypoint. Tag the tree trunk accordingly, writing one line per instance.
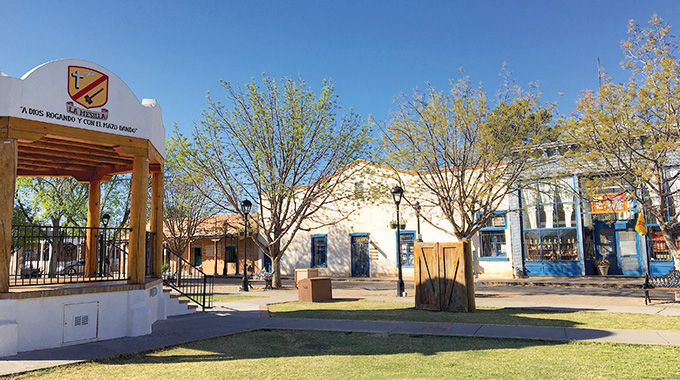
(276, 271)
(56, 248)
(672, 249)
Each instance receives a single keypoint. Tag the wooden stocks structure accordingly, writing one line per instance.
(443, 277)
(72, 118)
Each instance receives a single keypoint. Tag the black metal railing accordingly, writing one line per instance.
(52, 255)
(188, 280)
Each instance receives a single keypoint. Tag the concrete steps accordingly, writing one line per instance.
(175, 306)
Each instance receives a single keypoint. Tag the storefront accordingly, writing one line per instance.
(562, 236)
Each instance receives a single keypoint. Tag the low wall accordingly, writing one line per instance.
(58, 316)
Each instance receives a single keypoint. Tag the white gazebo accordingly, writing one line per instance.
(75, 118)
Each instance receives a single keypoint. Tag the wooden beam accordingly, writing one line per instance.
(49, 163)
(130, 151)
(72, 154)
(157, 221)
(8, 170)
(138, 201)
(28, 129)
(93, 216)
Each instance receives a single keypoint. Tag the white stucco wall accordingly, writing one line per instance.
(38, 323)
(373, 217)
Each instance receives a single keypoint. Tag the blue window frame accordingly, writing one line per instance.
(406, 240)
(492, 237)
(319, 251)
(549, 219)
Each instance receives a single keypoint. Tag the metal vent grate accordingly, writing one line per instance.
(81, 320)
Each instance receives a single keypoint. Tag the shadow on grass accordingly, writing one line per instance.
(396, 311)
(294, 343)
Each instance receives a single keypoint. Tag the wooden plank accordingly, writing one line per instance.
(138, 200)
(8, 169)
(47, 162)
(425, 276)
(157, 223)
(28, 129)
(452, 277)
(93, 217)
(60, 144)
(74, 153)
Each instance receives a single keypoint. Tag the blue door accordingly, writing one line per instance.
(629, 254)
(267, 264)
(360, 259)
(620, 244)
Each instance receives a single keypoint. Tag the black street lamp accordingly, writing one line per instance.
(245, 208)
(397, 193)
(419, 237)
(102, 250)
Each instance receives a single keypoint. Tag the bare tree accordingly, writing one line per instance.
(185, 208)
(280, 145)
(468, 154)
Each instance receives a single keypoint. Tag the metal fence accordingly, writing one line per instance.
(52, 255)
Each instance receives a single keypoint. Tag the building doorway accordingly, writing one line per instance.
(359, 252)
(619, 243)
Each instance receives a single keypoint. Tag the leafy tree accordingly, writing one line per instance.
(185, 208)
(283, 146)
(628, 133)
(62, 201)
(468, 152)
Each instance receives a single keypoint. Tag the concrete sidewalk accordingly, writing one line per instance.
(247, 315)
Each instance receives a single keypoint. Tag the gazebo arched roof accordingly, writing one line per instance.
(76, 118)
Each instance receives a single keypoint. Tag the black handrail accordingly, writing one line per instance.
(188, 280)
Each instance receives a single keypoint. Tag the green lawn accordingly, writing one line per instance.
(402, 311)
(329, 355)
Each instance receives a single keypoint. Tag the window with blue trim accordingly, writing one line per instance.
(549, 222)
(406, 239)
(319, 251)
(492, 236)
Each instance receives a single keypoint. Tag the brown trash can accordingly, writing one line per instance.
(315, 289)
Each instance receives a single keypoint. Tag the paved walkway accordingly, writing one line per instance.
(248, 315)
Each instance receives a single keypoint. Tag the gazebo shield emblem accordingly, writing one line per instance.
(88, 87)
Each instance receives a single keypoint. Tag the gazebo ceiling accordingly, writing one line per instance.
(58, 156)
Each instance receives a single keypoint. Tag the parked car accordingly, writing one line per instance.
(76, 267)
(29, 271)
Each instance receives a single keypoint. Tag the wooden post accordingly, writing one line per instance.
(469, 275)
(8, 176)
(140, 182)
(93, 216)
(157, 222)
(215, 241)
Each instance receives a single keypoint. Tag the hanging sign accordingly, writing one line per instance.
(609, 203)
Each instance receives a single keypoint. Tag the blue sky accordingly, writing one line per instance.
(175, 51)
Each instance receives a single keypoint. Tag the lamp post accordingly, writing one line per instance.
(397, 193)
(419, 237)
(105, 222)
(245, 208)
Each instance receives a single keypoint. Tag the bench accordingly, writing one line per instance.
(264, 276)
(670, 282)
